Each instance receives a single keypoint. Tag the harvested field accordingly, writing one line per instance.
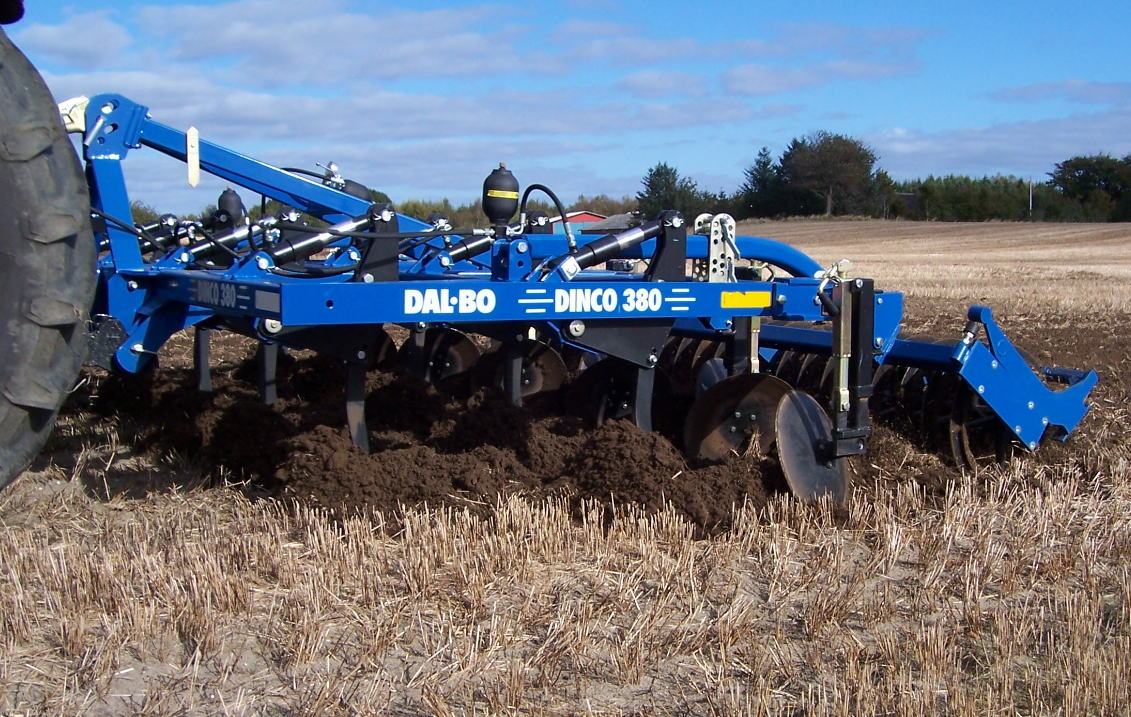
(172, 553)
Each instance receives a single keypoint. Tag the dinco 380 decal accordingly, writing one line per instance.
(572, 300)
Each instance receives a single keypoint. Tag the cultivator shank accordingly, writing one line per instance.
(762, 349)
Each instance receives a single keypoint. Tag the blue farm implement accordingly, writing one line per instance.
(765, 350)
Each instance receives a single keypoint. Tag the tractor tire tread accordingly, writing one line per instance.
(47, 262)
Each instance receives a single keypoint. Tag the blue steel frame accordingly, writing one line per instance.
(156, 299)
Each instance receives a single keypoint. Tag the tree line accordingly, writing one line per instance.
(835, 175)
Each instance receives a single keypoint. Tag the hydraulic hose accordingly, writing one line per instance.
(557, 203)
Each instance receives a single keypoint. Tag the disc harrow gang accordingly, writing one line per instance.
(727, 363)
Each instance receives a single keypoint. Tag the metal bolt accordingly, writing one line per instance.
(1032, 445)
(733, 429)
(262, 263)
(131, 285)
(859, 283)
(521, 247)
(1031, 404)
(1044, 421)
(781, 299)
(445, 260)
(879, 343)
(993, 364)
(576, 328)
(360, 355)
(879, 299)
(738, 414)
(981, 389)
(1017, 429)
(752, 416)
(652, 359)
(525, 382)
(367, 278)
(138, 348)
(272, 326)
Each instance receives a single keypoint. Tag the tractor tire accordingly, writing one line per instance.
(47, 262)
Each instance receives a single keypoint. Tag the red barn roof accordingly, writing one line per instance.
(580, 217)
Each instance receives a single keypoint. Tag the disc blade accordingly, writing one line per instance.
(734, 413)
(603, 392)
(788, 365)
(804, 437)
(683, 372)
(383, 356)
(543, 368)
(447, 354)
(711, 372)
(706, 351)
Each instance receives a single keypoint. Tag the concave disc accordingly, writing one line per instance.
(804, 438)
(383, 355)
(543, 369)
(788, 365)
(711, 372)
(706, 351)
(734, 413)
(978, 438)
(603, 392)
(447, 354)
(811, 372)
(683, 372)
(668, 354)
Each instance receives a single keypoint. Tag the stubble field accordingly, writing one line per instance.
(177, 554)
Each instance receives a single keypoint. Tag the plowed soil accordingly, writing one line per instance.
(427, 446)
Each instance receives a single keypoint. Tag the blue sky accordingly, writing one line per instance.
(422, 99)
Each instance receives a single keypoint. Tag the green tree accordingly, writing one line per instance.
(603, 204)
(1100, 183)
(882, 194)
(665, 189)
(834, 166)
(143, 213)
(761, 193)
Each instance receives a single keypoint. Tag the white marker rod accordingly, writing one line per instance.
(192, 155)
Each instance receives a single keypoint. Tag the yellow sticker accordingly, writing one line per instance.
(745, 299)
(502, 194)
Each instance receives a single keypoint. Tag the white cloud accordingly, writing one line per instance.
(1020, 148)
(758, 80)
(1074, 90)
(88, 40)
(294, 42)
(662, 83)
